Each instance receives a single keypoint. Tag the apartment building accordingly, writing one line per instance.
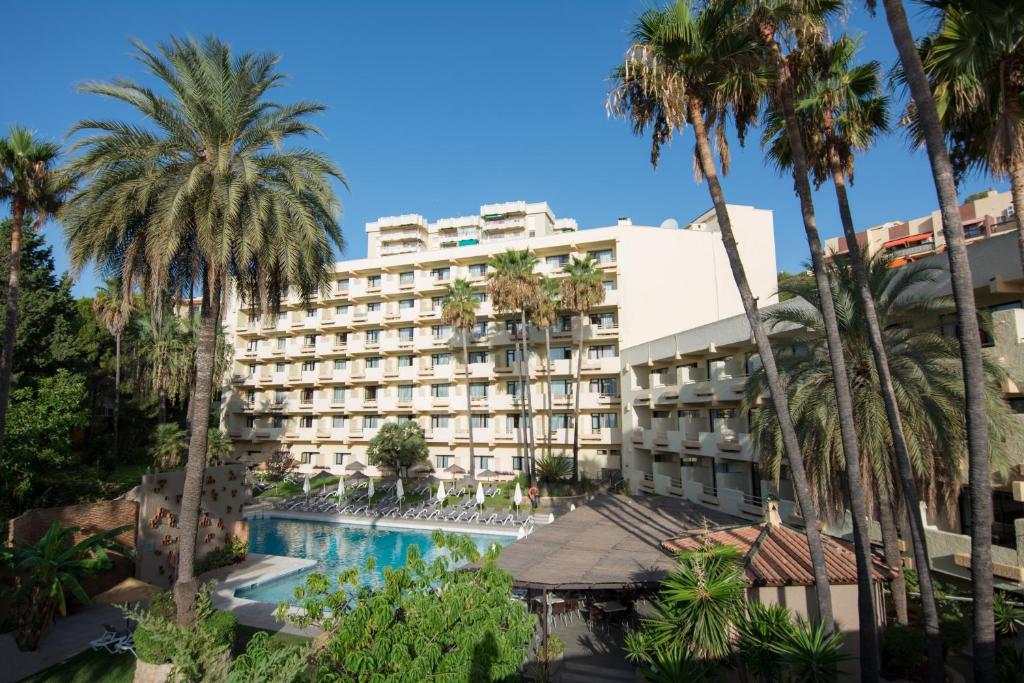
(984, 215)
(685, 433)
(319, 379)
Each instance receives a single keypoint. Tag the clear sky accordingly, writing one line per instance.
(438, 107)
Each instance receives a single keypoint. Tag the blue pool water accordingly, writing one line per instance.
(337, 547)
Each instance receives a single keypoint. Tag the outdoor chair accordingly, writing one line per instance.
(490, 519)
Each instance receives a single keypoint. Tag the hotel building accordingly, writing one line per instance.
(319, 379)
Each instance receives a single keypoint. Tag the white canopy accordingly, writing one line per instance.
(341, 487)
(400, 490)
(305, 484)
(480, 494)
(369, 489)
(440, 492)
(517, 497)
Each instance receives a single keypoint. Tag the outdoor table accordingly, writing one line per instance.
(611, 607)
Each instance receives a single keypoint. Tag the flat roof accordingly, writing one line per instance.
(613, 542)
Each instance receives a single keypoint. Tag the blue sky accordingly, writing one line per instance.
(436, 108)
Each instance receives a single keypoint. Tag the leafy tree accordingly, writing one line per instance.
(279, 465)
(552, 468)
(783, 279)
(35, 189)
(50, 569)
(169, 445)
(39, 447)
(398, 445)
(425, 621)
(202, 192)
(164, 357)
(459, 311)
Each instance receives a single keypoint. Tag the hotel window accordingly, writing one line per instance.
(561, 353)
(406, 361)
(282, 343)
(517, 463)
(478, 390)
(599, 421)
(372, 281)
(602, 351)
(250, 421)
(602, 256)
(479, 329)
(309, 340)
(405, 334)
(406, 278)
(557, 261)
(441, 331)
(306, 422)
(513, 356)
(340, 363)
(339, 458)
(405, 392)
(441, 358)
(338, 421)
(310, 313)
(561, 387)
(439, 390)
(441, 273)
(277, 421)
(512, 326)
(480, 421)
(373, 307)
(341, 339)
(603, 320)
(443, 461)
(307, 457)
(609, 285)
(308, 365)
(373, 336)
(342, 285)
(514, 388)
(561, 421)
(480, 297)
(477, 269)
(281, 317)
(439, 421)
(338, 395)
(280, 367)
(436, 302)
(344, 309)
(606, 386)
(372, 362)
(371, 393)
(477, 356)
(406, 304)
(280, 396)
(512, 423)
(402, 419)
(371, 421)
(252, 370)
(563, 324)
(483, 462)
(252, 346)
(307, 395)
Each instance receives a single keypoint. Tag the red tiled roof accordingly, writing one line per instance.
(776, 555)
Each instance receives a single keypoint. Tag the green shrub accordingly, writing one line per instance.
(156, 637)
(903, 652)
(235, 551)
(222, 627)
(556, 646)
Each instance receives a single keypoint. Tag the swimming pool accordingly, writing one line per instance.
(336, 547)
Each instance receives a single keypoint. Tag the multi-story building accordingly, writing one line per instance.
(685, 433)
(318, 379)
(984, 215)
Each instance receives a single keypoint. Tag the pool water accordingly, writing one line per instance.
(337, 547)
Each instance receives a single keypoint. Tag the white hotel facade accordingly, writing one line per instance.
(319, 379)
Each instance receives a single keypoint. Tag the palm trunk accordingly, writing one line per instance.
(185, 585)
(161, 408)
(869, 653)
(576, 410)
(117, 394)
(529, 393)
(469, 404)
(794, 456)
(891, 551)
(11, 314)
(1017, 192)
(904, 468)
(524, 434)
(548, 399)
(969, 338)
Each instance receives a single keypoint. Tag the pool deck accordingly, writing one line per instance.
(382, 522)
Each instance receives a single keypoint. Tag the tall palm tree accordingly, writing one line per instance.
(694, 67)
(842, 110)
(30, 182)
(208, 195)
(114, 310)
(513, 288)
(164, 358)
(773, 22)
(543, 316)
(973, 62)
(459, 311)
(968, 336)
(581, 290)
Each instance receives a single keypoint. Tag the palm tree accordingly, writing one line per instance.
(164, 358)
(513, 288)
(219, 446)
(210, 196)
(842, 111)
(581, 291)
(686, 67)
(772, 21)
(35, 190)
(459, 311)
(543, 316)
(114, 311)
(972, 62)
(169, 443)
(968, 336)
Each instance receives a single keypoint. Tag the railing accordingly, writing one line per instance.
(709, 490)
(753, 501)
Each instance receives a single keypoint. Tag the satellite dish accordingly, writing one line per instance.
(670, 224)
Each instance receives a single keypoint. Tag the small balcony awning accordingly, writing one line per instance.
(912, 239)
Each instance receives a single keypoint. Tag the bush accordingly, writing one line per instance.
(903, 652)
(235, 551)
(554, 649)
(156, 638)
(552, 468)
